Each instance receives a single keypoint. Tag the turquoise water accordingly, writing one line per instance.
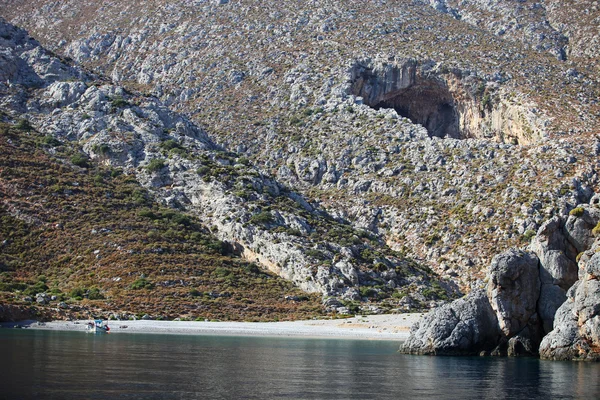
(76, 365)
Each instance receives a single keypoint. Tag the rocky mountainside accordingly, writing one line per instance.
(324, 97)
(255, 216)
(448, 131)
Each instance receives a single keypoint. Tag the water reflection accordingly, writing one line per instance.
(66, 365)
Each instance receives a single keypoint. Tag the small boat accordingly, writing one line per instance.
(98, 326)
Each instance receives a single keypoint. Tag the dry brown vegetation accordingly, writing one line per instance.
(95, 239)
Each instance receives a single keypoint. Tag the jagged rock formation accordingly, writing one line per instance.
(500, 320)
(576, 334)
(526, 300)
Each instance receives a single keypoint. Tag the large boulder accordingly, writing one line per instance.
(579, 225)
(501, 320)
(513, 289)
(466, 326)
(576, 334)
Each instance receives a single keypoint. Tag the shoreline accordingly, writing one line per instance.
(371, 327)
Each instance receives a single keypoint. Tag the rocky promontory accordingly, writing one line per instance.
(532, 302)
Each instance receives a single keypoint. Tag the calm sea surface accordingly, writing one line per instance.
(73, 365)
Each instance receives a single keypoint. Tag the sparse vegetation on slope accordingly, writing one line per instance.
(96, 242)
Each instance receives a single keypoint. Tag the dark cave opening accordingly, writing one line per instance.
(425, 101)
(437, 114)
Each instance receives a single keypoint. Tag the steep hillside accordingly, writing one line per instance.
(95, 243)
(255, 216)
(447, 130)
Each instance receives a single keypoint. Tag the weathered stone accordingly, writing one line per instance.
(551, 298)
(576, 334)
(513, 289)
(578, 228)
(558, 270)
(465, 326)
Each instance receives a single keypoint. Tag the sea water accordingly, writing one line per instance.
(77, 365)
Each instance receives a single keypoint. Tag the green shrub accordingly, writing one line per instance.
(80, 160)
(77, 293)
(148, 214)
(24, 125)
(319, 255)
(577, 211)
(51, 141)
(170, 144)
(528, 235)
(366, 291)
(596, 230)
(156, 164)
(222, 272)
(263, 217)
(102, 149)
(39, 287)
(94, 294)
(139, 196)
(142, 283)
(119, 101)
(203, 170)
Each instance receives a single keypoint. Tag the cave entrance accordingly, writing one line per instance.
(425, 101)
(432, 107)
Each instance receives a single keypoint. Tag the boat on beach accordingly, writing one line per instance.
(98, 326)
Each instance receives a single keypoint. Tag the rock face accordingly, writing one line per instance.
(445, 103)
(525, 298)
(513, 290)
(466, 326)
(557, 244)
(576, 334)
(500, 320)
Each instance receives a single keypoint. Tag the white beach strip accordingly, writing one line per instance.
(372, 327)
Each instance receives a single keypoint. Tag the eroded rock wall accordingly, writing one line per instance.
(452, 104)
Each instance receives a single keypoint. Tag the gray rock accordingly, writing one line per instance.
(576, 334)
(558, 270)
(513, 289)
(578, 229)
(465, 326)
(551, 298)
(42, 298)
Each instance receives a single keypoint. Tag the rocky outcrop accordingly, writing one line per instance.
(576, 334)
(558, 243)
(466, 326)
(500, 320)
(454, 104)
(513, 290)
(526, 293)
